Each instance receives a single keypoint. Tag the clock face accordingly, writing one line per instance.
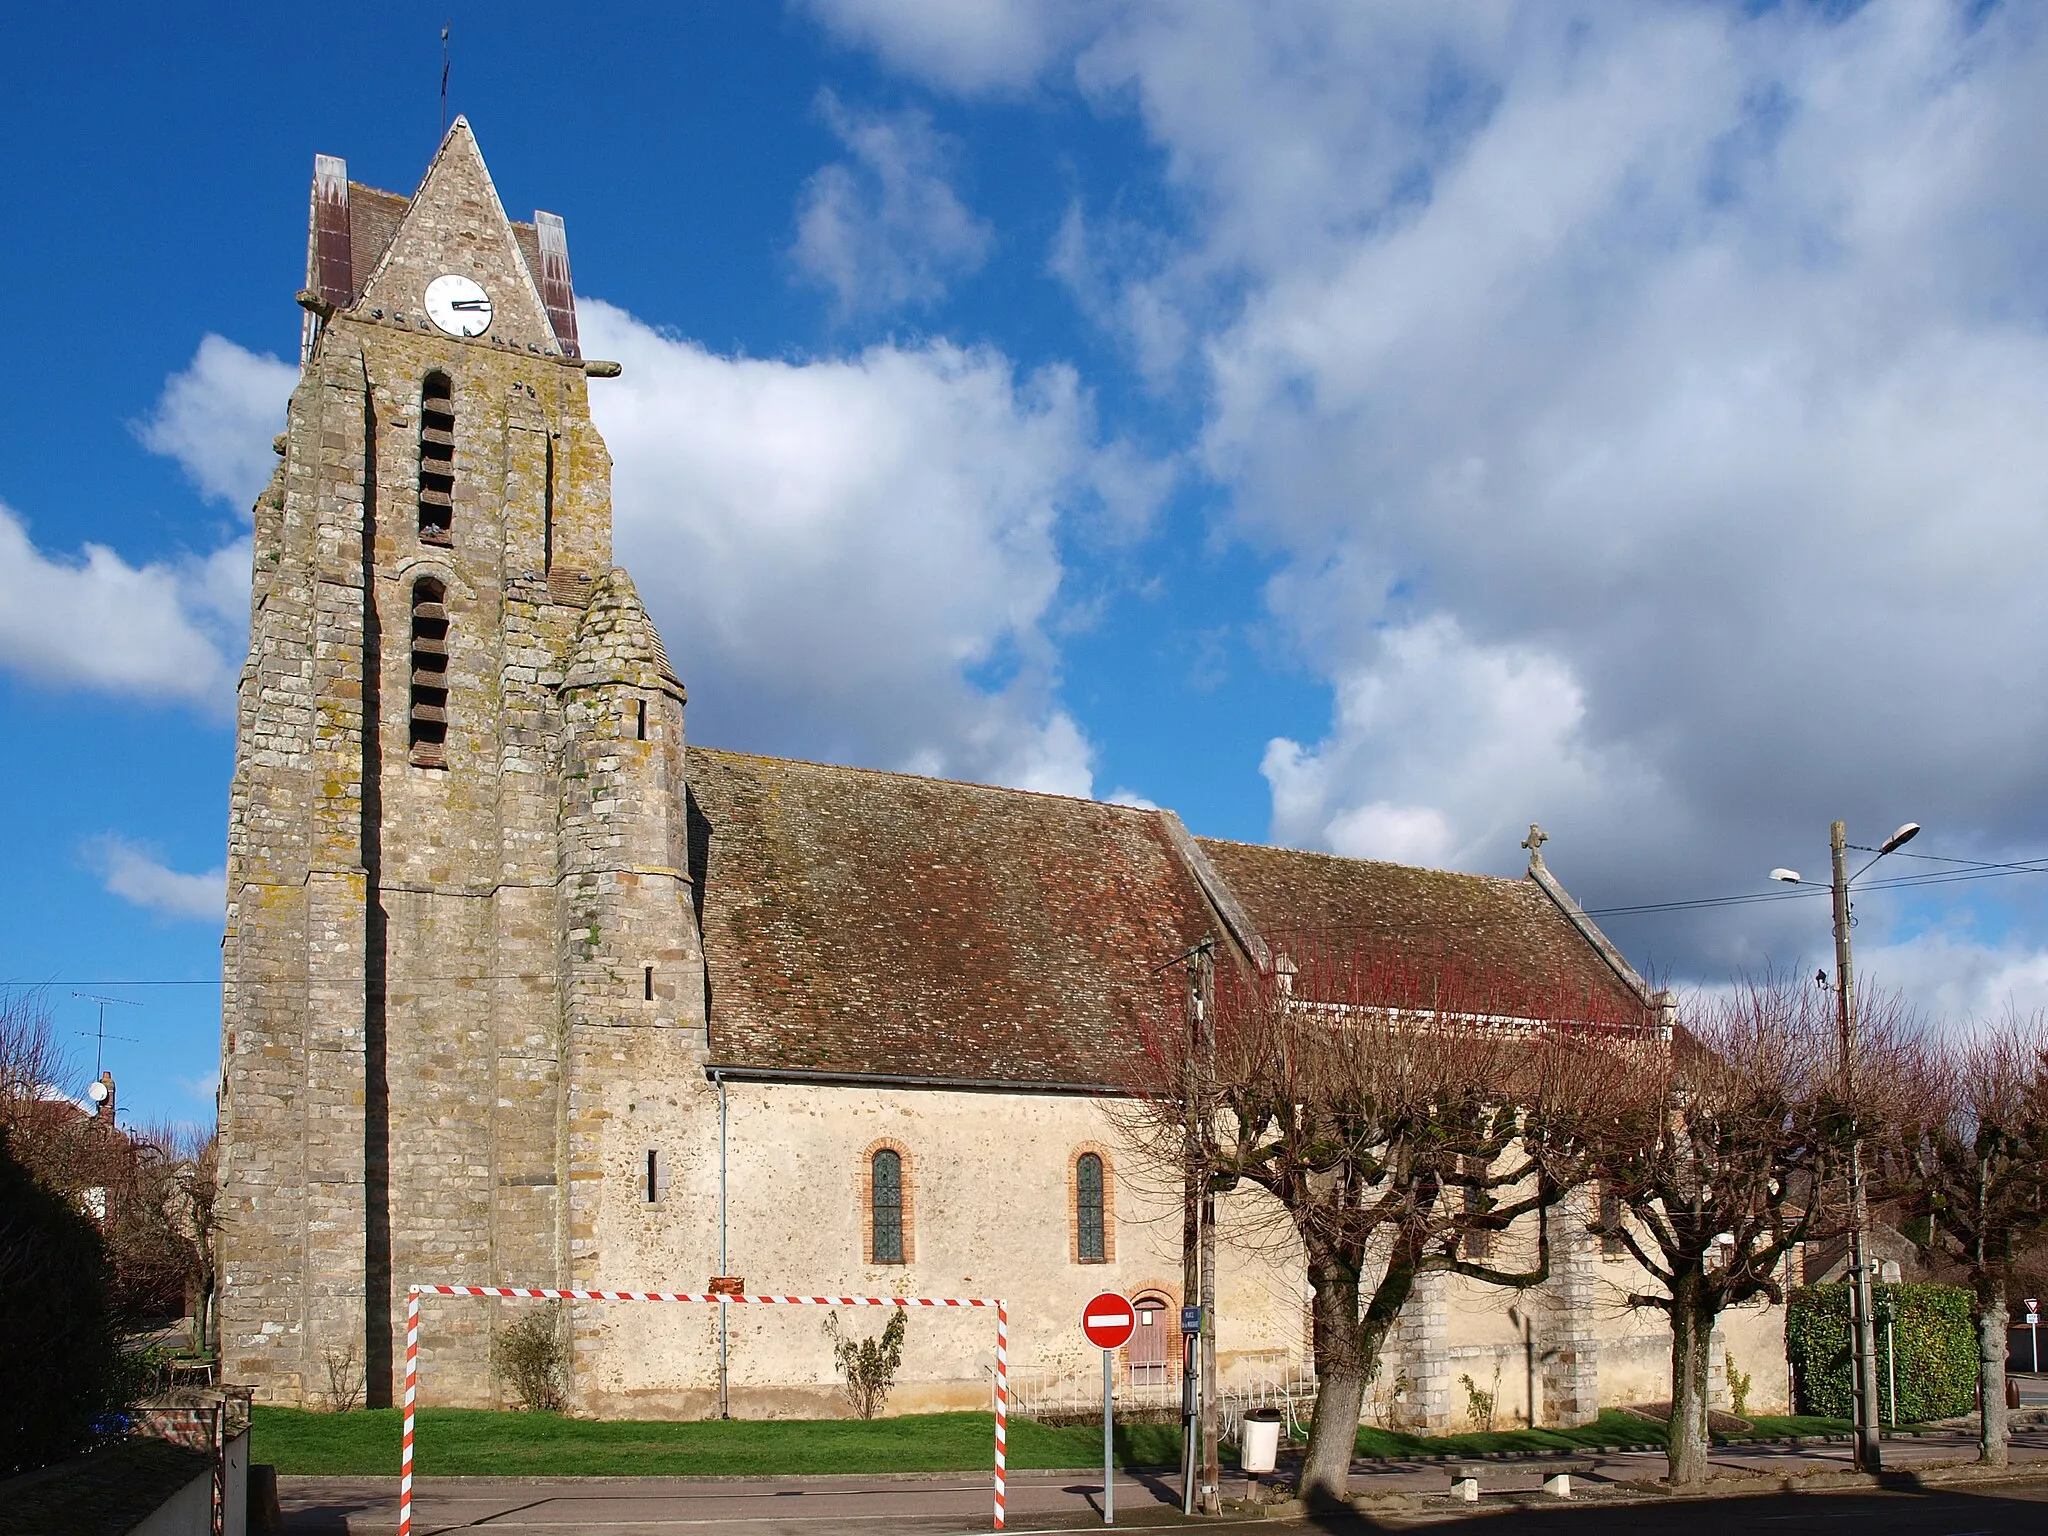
(458, 306)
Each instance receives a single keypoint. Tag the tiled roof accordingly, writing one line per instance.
(861, 922)
(1479, 925)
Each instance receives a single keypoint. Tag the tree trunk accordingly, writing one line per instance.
(1991, 1340)
(1692, 1346)
(1341, 1370)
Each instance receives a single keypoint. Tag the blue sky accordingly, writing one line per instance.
(1366, 428)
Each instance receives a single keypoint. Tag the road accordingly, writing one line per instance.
(942, 1505)
(923, 1510)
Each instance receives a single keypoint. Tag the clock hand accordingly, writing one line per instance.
(469, 304)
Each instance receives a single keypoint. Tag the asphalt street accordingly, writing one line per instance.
(940, 1505)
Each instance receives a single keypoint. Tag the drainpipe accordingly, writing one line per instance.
(724, 1310)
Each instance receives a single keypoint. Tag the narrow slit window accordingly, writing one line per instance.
(653, 1187)
(428, 723)
(640, 718)
(547, 513)
(887, 1191)
(437, 460)
(647, 983)
(1088, 1208)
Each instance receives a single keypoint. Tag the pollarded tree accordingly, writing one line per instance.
(1730, 1150)
(1394, 1110)
(1974, 1159)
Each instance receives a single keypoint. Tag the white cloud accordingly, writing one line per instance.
(1641, 405)
(856, 558)
(159, 630)
(969, 45)
(217, 419)
(132, 874)
(1130, 797)
(170, 629)
(886, 230)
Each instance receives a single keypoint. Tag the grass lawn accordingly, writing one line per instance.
(459, 1442)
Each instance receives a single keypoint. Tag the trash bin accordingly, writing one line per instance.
(1258, 1441)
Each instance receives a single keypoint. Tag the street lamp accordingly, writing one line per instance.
(1869, 1457)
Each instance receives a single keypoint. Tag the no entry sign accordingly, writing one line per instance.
(1109, 1320)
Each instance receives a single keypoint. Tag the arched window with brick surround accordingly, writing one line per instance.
(888, 1189)
(427, 725)
(1091, 1205)
(437, 460)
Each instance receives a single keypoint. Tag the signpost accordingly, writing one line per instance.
(2034, 1329)
(1108, 1320)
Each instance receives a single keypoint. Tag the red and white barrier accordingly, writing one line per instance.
(412, 1352)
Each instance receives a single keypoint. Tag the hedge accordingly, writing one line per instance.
(1935, 1332)
(60, 1366)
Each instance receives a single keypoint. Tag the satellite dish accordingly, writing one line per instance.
(97, 1093)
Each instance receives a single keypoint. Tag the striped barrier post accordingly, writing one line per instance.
(413, 1293)
(1002, 1405)
(412, 1394)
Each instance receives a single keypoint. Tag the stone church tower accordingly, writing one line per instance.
(460, 924)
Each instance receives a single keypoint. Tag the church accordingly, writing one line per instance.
(521, 989)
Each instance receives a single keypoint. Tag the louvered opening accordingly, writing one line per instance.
(428, 722)
(437, 460)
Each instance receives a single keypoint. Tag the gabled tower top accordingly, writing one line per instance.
(376, 254)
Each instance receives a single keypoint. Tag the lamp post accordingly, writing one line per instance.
(1869, 1455)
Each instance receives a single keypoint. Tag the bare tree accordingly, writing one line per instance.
(149, 1191)
(1394, 1110)
(1726, 1154)
(1974, 1159)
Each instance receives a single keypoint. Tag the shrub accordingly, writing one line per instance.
(1936, 1338)
(867, 1367)
(1738, 1387)
(533, 1355)
(60, 1362)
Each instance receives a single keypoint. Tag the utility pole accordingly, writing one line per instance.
(1200, 1455)
(1212, 1406)
(1869, 1454)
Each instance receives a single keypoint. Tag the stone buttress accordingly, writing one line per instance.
(642, 1181)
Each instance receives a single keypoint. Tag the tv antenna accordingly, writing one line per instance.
(100, 1052)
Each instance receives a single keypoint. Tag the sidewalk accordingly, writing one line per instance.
(902, 1504)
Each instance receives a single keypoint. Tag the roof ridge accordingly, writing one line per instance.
(1346, 858)
(924, 778)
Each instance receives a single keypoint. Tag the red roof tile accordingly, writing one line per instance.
(1478, 925)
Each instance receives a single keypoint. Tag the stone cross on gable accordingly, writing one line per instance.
(1534, 843)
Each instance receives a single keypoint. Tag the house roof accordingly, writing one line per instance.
(865, 924)
(1480, 926)
(875, 923)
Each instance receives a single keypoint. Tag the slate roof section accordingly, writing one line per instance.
(869, 923)
(1480, 925)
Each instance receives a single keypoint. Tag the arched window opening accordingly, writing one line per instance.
(428, 724)
(1088, 1208)
(886, 1171)
(437, 460)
